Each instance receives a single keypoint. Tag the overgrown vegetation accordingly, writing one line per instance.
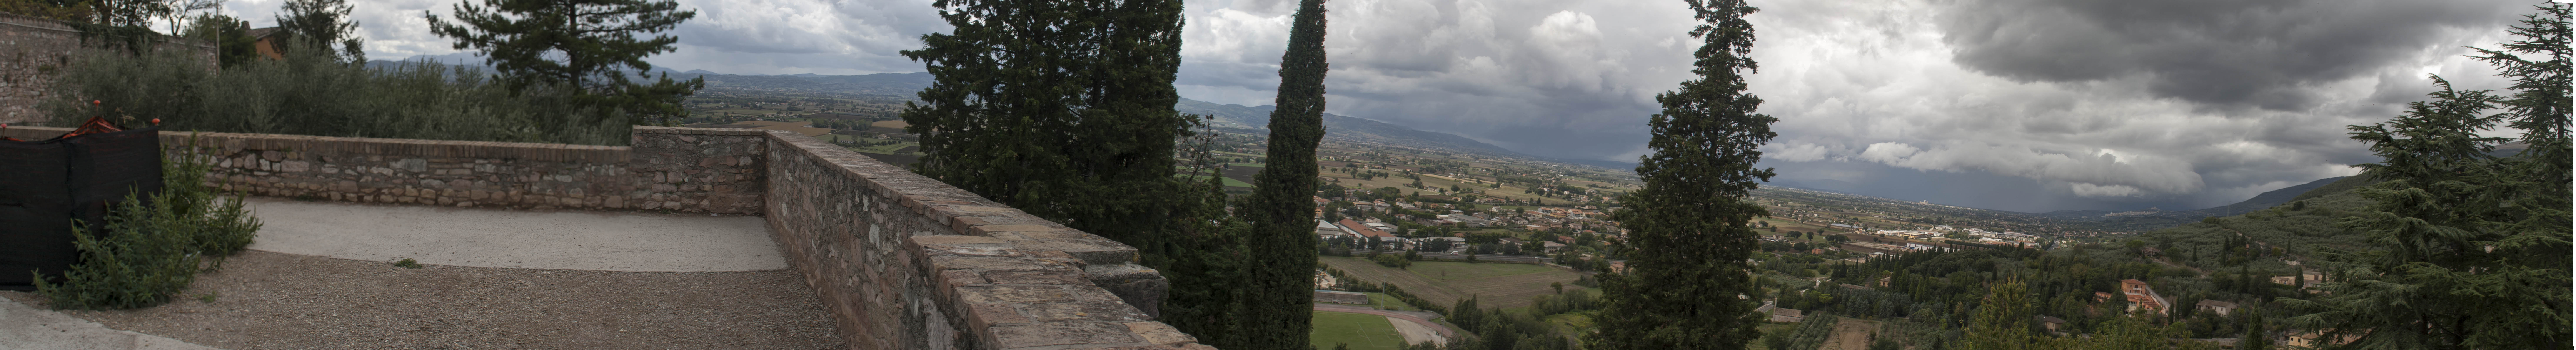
(154, 244)
(310, 93)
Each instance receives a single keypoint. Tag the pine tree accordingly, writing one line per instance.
(1278, 309)
(2003, 319)
(1687, 285)
(1064, 110)
(1059, 109)
(2468, 251)
(588, 46)
(319, 24)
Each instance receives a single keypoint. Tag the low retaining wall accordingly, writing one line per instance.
(675, 169)
(900, 260)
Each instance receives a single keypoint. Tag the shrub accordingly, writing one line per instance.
(310, 94)
(1392, 260)
(151, 251)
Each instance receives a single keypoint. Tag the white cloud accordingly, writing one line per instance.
(2091, 190)
(1876, 81)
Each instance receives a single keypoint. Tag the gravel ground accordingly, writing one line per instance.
(264, 300)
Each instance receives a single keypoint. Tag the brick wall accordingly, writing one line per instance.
(900, 260)
(32, 50)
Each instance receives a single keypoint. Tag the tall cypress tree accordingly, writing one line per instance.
(1278, 308)
(1687, 285)
(1062, 109)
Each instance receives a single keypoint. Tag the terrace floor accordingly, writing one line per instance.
(320, 276)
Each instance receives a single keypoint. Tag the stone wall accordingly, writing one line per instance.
(674, 169)
(900, 260)
(32, 50)
(907, 262)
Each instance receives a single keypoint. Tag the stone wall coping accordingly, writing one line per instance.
(641, 129)
(1021, 282)
(342, 146)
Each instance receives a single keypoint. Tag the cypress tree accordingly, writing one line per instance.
(1279, 305)
(1687, 286)
(1062, 109)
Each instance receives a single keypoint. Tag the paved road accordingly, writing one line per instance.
(1445, 333)
(572, 240)
(30, 328)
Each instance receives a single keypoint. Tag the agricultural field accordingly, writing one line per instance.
(1361, 331)
(1504, 285)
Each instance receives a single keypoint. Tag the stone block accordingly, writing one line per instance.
(1060, 334)
(1159, 333)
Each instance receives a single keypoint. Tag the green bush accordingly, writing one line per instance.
(310, 94)
(151, 251)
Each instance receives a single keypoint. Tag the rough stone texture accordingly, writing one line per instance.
(901, 261)
(907, 262)
(674, 169)
(32, 50)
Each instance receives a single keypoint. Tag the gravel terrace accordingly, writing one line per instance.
(266, 300)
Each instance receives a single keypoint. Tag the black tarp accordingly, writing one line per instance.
(46, 184)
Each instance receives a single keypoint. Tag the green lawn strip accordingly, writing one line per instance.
(1450, 271)
(1361, 331)
(1382, 301)
(1765, 329)
(1229, 182)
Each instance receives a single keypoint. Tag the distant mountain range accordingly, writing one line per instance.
(1228, 116)
(2154, 218)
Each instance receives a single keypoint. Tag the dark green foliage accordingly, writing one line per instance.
(310, 94)
(136, 263)
(1687, 266)
(151, 251)
(1809, 335)
(1065, 110)
(233, 44)
(2466, 250)
(1391, 260)
(407, 263)
(319, 25)
(1280, 208)
(2003, 319)
(587, 46)
(219, 227)
(1072, 122)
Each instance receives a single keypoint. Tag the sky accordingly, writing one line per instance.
(2024, 105)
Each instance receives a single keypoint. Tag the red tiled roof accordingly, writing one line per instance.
(1363, 229)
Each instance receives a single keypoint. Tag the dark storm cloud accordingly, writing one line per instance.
(2267, 53)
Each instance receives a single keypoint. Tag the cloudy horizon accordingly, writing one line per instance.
(2024, 105)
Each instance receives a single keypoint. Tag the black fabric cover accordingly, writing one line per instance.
(106, 167)
(35, 212)
(46, 184)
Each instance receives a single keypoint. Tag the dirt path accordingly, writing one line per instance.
(265, 300)
(1413, 334)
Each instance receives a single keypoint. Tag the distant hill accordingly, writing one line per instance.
(2150, 219)
(1228, 116)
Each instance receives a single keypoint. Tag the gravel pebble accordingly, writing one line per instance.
(265, 300)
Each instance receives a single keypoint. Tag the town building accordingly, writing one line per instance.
(2220, 307)
(2141, 296)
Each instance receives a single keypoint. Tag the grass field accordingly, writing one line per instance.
(1495, 284)
(1382, 300)
(1361, 331)
(1229, 182)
